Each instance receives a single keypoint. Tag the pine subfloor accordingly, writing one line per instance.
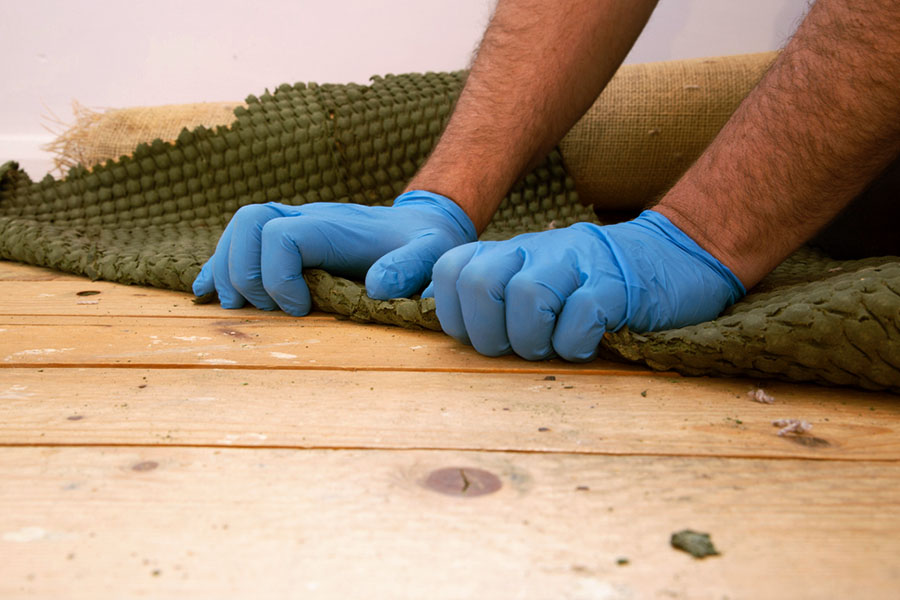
(150, 447)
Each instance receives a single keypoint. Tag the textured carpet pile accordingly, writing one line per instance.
(153, 218)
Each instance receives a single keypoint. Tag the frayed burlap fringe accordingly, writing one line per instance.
(99, 135)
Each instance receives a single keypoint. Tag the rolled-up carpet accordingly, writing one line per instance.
(153, 217)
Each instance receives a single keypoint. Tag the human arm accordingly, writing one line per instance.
(540, 66)
(818, 127)
(822, 122)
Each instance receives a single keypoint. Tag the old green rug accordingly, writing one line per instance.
(154, 217)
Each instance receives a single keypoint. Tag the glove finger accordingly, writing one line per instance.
(428, 292)
(534, 298)
(204, 282)
(482, 290)
(588, 313)
(229, 297)
(446, 297)
(403, 272)
(292, 244)
(244, 257)
(284, 260)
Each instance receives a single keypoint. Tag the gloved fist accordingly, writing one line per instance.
(559, 291)
(265, 247)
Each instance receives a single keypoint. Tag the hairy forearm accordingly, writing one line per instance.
(819, 126)
(539, 67)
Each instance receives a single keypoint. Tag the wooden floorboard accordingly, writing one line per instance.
(150, 447)
(160, 522)
(326, 343)
(475, 411)
(81, 297)
(14, 271)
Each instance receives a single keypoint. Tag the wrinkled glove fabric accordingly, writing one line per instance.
(266, 247)
(153, 218)
(558, 292)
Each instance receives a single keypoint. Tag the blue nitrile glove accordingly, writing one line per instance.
(559, 291)
(264, 248)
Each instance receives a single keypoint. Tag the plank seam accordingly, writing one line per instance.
(260, 367)
(450, 449)
(262, 318)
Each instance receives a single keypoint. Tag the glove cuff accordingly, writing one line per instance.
(658, 222)
(444, 205)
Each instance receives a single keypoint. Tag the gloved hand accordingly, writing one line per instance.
(264, 248)
(561, 290)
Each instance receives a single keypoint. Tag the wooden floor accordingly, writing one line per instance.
(153, 448)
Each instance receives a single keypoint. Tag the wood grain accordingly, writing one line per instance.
(324, 343)
(14, 271)
(31, 290)
(150, 447)
(474, 411)
(101, 298)
(205, 523)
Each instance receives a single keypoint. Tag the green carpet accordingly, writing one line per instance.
(153, 218)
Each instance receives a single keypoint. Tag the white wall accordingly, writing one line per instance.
(115, 53)
(692, 28)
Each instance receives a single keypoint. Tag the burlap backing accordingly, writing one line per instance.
(97, 136)
(651, 122)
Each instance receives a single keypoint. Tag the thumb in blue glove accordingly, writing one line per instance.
(262, 252)
(559, 291)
